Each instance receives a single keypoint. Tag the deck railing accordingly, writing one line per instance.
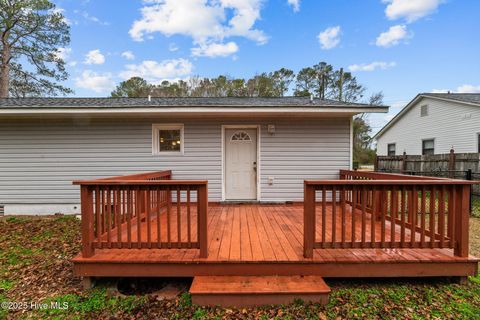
(386, 211)
(146, 210)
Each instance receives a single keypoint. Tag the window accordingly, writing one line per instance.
(424, 110)
(240, 136)
(167, 138)
(428, 147)
(391, 149)
(478, 142)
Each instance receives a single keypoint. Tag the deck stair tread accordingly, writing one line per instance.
(257, 290)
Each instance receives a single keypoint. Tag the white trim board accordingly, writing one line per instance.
(259, 164)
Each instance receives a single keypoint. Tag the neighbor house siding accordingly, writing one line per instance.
(39, 159)
(450, 124)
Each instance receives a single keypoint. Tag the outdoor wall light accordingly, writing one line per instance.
(271, 128)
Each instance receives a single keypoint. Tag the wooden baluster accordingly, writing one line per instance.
(451, 215)
(159, 208)
(129, 216)
(393, 214)
(138, 208)
(98, 217)
(104, 212)
(432, 216)
(383, 195)
(169, 209)
(324, 216)
(373, 218)
(344, 209)
(202, 210)
(147, 215)
(334, 216)
(441, 215)
(364, 212)
(189, 237)
(423, 210)
(118, 215)
(402, 217)
(109, 217)
(86, 199)
(309, 220)
(354, 210)
(414, 204)
(179, 218)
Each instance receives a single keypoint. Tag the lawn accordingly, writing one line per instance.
(35, 267)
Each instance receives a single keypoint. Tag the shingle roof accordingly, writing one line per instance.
(169, 102)
(464, 97)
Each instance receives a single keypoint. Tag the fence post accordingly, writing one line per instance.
(86, 198)
(308, 220)
(202, 220)
(404, 162)
(462, 214)
(451, 164)
(375, 163)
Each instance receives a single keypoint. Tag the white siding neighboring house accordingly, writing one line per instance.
(433, 123)
(47, 143)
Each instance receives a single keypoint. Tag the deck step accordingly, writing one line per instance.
(244, 291)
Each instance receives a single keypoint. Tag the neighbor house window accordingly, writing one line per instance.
(478, 143)
(391, 149)
(167, 138)
(424, 110)
(428, 147)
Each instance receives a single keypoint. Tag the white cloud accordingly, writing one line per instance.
(330, 37)
(215, 50)
(295, 5)
(128, 55)
(204, 21)
(172, 47)
(410, 10)
(393, 36)
(465, 88)
(155, 72)
(468, 88)
(94, 81)
(94, 57)
(372, 66)
(91, 18)
(63, 53)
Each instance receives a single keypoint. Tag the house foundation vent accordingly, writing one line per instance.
(2, 210)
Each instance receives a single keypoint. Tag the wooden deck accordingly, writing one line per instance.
(249, 239)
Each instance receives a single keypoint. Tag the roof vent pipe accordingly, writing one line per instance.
(149, 98)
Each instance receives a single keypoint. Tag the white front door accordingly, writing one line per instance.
(240, 164)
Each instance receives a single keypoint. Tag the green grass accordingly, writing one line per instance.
(94, 301)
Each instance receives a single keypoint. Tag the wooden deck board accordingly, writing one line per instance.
(269, 235)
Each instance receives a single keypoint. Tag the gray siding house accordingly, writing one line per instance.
(249, 149)
(433, 123)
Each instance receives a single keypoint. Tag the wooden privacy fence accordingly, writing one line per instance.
(376, 210)
(143, 211)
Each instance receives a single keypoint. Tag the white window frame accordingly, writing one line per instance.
(156, 138)
(394, 148)
(429, 139)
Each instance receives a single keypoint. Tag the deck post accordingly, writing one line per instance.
(86, 194)
(202, 220)
(462, 214)
(308, 220)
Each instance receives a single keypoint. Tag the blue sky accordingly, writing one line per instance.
(400, 47)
